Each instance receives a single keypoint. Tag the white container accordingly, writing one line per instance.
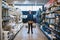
(5, 35)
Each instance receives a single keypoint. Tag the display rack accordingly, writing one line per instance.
(50, 24)
(12, 21)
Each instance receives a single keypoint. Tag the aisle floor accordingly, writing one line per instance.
(37, 35)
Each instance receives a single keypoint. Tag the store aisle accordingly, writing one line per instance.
(37, 35)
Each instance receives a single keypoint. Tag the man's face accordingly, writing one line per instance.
(29, 11)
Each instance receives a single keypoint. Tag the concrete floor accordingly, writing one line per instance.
(37, 35)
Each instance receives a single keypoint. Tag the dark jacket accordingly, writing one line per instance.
(30, 17)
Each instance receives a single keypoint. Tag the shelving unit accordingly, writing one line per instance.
(50, 24)
(12, 21)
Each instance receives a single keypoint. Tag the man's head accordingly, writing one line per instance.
(29, 11)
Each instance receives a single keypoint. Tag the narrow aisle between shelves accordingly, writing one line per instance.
(37, 35)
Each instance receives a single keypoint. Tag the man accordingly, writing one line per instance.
(30, 22)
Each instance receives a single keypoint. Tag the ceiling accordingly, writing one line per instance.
(29, 1)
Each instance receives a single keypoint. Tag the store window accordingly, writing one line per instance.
(27, 8)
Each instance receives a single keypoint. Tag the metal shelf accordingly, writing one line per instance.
(48, 35)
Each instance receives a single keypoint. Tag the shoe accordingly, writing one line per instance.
(28, 32)
(32, 32)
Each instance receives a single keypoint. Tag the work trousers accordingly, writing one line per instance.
(30, 26)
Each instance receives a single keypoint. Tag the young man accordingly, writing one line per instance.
(30, 22)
